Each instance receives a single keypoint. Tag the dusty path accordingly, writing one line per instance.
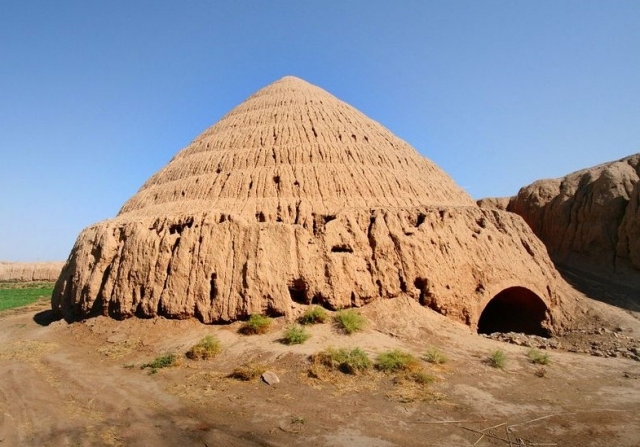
(81, 385)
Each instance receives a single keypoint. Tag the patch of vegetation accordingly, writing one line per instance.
(541, 372)
(419, 376)
(164, 361)
(352, 361)
(497, 359)
(248, 372)
(397, 361)
(349, 321)
(435, 356)
(537, 357)
(422, 377)
(295, 335)
(21, 294)
(297, 420)
(205, 349)
(256, 324)
(314, 315)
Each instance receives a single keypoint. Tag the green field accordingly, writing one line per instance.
(20, 294)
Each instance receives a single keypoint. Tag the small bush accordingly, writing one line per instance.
(537, 357)
(295, 335)
(497, 359)
(206, 348)
(433, 355)
(314, 315)
(248, 371)
(349, 321)
(347, 361)
(256, 324)
(164, 361)
(396, 360)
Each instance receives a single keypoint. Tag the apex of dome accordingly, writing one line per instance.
(289, 146)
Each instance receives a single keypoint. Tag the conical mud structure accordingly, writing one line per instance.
(294, 198)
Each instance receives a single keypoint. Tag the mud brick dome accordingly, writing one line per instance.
(293, 198)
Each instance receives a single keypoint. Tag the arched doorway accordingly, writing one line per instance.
(516, 309)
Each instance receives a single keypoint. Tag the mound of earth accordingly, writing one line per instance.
(295, 198)
(588, 219)
(30, 271)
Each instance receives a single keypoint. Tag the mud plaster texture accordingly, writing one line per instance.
(293, 198)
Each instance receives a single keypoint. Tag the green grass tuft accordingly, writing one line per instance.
(497, 359)
(164, 361)
(538, 358)
(349, 321)
(21, 294)
(396, 361)
(256, 324)
(314, 315)
(295, 335)
(352, 361)
(206, 348)
(435, 356)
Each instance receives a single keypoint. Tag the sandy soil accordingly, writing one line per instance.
(81, 385)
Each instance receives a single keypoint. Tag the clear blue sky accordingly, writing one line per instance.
(95, 96)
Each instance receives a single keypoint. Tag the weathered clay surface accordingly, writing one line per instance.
(30, 271)
(588, 219)
(294, 198)
(494, 203)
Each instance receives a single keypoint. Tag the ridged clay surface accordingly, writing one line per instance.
(295, 197)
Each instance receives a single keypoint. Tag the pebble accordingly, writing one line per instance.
(270, 378)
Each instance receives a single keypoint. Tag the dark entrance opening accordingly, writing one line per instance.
(515, 309)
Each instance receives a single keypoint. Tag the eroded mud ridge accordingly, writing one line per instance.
(30, 271)
(294, 198)
(587, 219)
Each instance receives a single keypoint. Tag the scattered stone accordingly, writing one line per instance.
(270, 378)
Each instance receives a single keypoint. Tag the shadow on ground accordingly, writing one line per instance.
(619, 295)
(45, 318)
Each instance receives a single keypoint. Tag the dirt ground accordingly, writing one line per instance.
(81, 384)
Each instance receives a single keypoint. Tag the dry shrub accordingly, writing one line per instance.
(435, 356)
(396, 361)
(256, 324)
(206, 348)
(314, 315)
(349, 321)
(347, 361)
(537, 357)
(295, 335)
(163, 361)
(407, 389)
(248, 371)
